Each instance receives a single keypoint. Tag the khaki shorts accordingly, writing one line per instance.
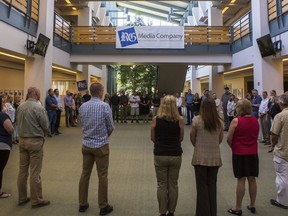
(134, 111)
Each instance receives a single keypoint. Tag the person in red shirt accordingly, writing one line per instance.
(242, 138)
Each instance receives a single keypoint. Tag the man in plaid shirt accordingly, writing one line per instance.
(97, 125)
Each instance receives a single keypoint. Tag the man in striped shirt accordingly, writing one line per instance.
(97, 125)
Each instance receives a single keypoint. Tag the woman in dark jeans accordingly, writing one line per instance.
(167, 133)
(196, 104)
(6, 129)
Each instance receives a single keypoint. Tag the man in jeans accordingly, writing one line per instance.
(189, 100)
(97, 125)
(58, 111)
(68, 103)
(51, 107)
(32, 125)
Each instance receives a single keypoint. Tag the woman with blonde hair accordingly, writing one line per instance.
(167, 133)
(206, 136)
(242, 138)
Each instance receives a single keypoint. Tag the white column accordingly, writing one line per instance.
(38, 70)
(103, 80)
(195, 83)
(85, 16)
(215, 17)
(216, 80)
(268, 72)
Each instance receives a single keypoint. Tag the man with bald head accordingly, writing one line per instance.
(33, 124)
(97, 125)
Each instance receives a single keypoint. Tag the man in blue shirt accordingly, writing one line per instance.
(97, 125)
(189, 100)
(58, 111)
(51, 106)
(256, 101)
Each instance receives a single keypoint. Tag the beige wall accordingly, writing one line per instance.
(237, 86)
(11, 79)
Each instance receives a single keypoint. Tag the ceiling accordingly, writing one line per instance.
(160, 9)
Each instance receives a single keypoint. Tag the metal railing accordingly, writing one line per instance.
(272, 9)
(29, 8)
(242, 27)
(284, 5)
(61, 27)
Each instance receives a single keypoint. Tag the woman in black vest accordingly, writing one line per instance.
(6, 129)
(167, 133)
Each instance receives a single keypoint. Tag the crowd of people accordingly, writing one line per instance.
(242, 118)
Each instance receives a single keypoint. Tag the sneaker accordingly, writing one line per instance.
(41, 204)
(108, 209)
(83, 208)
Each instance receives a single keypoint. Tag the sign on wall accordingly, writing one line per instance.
(82, 85)
(150, 37)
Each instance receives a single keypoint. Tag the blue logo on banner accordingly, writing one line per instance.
(127, 37)
(82, 85)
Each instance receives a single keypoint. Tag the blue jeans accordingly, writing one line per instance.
(52, 116)
(189, 113)
(255, 113)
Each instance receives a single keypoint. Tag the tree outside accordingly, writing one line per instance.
(137, 78)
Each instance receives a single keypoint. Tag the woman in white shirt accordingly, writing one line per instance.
(231, 107)
(179, 103)
(217, 101)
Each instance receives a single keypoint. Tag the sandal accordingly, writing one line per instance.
(251, 209)
(235, 212)
(4, 195)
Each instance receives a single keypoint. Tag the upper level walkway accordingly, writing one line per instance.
(202, 45)
(132, 180)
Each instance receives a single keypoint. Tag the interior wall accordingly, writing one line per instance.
(236, 85)
(64, 82)
(11, 79)
(204, 86)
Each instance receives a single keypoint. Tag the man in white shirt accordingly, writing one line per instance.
(58, 111)
(179, 103)
(134, 103)
(263, 118)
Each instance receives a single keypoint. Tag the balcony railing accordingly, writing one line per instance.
(61, 27)
(242, 27)
(29, 8)
(195, 34)
(284, 5)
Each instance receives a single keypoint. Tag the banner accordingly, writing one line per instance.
(150, 37)
(82, 85)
